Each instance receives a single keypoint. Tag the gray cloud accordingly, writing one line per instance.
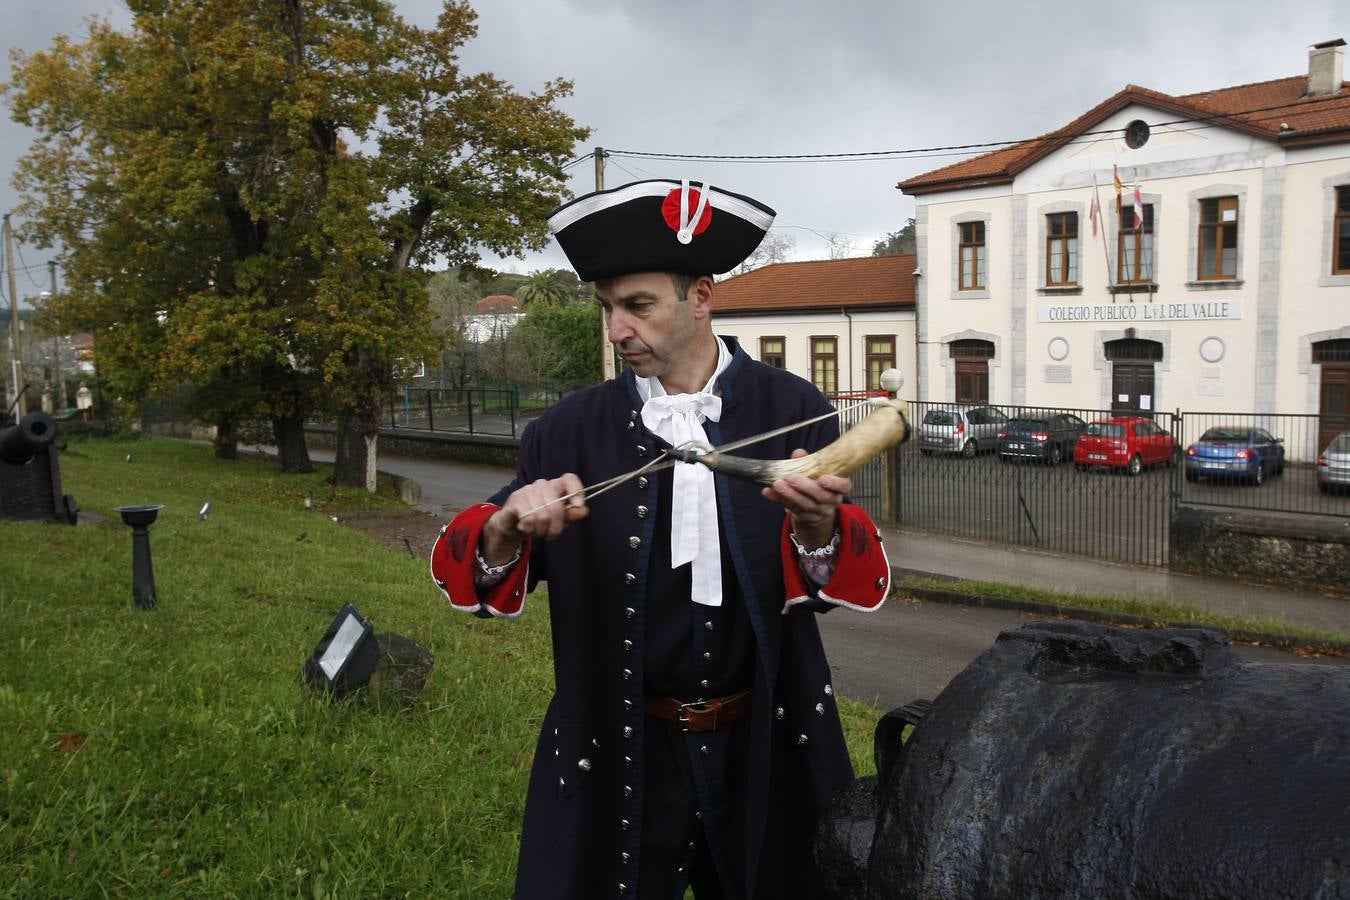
(804, 76)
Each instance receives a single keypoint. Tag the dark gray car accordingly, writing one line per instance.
(1044, 437)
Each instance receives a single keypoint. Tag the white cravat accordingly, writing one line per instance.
(694, 535)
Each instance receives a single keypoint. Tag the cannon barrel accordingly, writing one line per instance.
(1080, 760)
(20, 443)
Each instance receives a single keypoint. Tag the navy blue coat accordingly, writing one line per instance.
(585, 805)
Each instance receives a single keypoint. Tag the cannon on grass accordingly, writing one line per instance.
(30, 473)
(1079, 760)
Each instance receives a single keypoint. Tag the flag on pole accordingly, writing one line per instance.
(1095, 208)
(1138, 203)
(1116, 176)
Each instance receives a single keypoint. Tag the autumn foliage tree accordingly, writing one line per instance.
(248, 192)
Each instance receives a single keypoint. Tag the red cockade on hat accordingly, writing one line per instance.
(679, 220)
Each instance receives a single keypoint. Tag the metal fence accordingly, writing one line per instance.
(971, 471)
(501, 410)
(1265, 462)
(1026, 488)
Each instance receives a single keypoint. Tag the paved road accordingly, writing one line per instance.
(907, 650)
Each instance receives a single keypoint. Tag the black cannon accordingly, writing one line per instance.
(30, 473)
(1079, 760)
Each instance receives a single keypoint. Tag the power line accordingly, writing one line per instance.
(25, 268)
(954, 149)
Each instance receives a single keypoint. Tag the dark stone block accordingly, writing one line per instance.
(401, 674)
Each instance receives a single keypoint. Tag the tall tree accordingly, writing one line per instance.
(897, 242)
(773, 249)
(549, 287)
(247, 190)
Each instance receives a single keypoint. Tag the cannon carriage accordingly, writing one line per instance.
(30, 472)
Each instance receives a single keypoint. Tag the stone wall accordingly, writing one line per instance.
(1304, 551)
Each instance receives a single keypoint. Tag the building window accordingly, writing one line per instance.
(1218, 239)
(1341, 245)
(1061, 249)
(880, 357)
(771, 352)
(1134, 245)
(825, 364)
(972, 256)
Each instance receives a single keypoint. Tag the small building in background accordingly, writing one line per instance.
(838, 323)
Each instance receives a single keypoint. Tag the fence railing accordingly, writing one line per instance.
(1092, 482)
(484, 409)
(1259, 461)
(1017, 475)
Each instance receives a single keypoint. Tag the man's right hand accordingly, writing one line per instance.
(529, 512)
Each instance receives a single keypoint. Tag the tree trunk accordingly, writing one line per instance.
(289, 433)
(357, 434)
(226, 440)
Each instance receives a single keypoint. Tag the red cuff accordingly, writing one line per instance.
(454, 562)
(862, 574)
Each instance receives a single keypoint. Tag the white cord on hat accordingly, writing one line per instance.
(687, 225)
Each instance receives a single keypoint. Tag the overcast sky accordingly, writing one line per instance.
(819, 76)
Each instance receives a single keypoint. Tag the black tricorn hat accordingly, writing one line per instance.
(659, 226)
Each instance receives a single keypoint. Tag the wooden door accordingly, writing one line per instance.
(972, 380)
(1132, 388)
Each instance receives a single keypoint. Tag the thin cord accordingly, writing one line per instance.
(959, 149)
(19, 248)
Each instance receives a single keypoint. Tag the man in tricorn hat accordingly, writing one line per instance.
(693, 737)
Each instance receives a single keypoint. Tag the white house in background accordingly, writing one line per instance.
(1230, 293)
(493, 318)
(838, 323)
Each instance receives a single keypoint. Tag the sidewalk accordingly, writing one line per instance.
(922, 553)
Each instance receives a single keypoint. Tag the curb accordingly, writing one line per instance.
(1239, 635)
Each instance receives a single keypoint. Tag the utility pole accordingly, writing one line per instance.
(606, 351)
(61, 398)
(15, 343)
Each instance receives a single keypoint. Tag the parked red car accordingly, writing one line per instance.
(1124, 442)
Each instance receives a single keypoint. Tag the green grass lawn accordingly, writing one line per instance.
(174, 752)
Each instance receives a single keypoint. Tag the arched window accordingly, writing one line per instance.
(1133, 349)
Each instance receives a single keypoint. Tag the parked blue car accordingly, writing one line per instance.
(1233, 452)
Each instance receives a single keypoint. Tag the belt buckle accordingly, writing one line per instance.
(682, 716)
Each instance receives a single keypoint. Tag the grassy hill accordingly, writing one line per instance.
(174, 752)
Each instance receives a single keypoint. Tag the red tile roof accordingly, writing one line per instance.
(1261, 110)
(864, 282)
(497, 303)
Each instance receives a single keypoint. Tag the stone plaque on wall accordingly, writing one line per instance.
(1059, 374)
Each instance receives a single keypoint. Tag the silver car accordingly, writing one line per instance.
(963, 429)
(1333, 464)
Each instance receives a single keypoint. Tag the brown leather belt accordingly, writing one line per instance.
(701, 715)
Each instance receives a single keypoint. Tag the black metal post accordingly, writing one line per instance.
(431, 423)
(142, 569)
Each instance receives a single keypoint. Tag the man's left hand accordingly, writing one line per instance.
(811, 503)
